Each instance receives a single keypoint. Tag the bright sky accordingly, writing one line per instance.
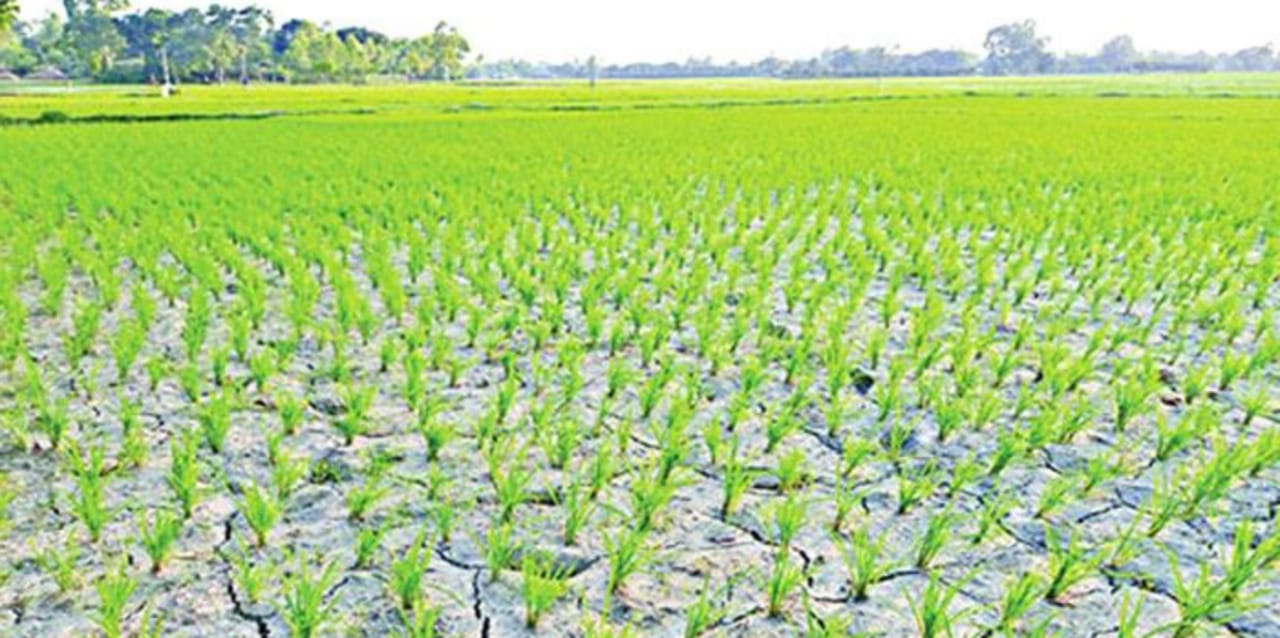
(746, 30)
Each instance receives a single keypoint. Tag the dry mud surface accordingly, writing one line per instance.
(692, 548)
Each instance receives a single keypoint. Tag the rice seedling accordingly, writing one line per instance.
(541, 585)
(158, 535)
(408, 570)
(114, 590)
(304, 606)
(864, 561)
(261, 511)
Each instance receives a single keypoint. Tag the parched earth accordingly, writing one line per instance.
(696, 550)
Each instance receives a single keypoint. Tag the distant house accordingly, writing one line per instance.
(47, 74)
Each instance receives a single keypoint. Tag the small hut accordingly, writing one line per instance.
(47, 74)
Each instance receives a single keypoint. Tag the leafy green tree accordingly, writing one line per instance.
(1118, 54)
(8, 14)
(91, 33)
(1016, 49)
(448, 48)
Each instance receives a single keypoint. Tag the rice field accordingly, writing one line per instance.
(965, 357)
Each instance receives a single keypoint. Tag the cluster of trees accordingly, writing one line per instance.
(1010, 49)
(101, 39)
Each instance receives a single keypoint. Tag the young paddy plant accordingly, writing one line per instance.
(158, 535)
(541, 585)
(783, 579)
(261, 511)
(1069, 563)
(354, 421)
(114, 588)
(932, 610)
(407, 572)
(305, 588)
(736, 477)
(627, 551)
(60, 562)
(864, 561)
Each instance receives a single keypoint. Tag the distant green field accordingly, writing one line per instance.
(19, 100)
(731, 358)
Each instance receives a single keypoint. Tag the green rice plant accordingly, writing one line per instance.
(778, 428)
(601, 469)
(363, 498)
(304, 608)
(914, 486)
(845, 498)
(736, 477)
(1207, 484)
(1254, 403)
(184, 471)
(788, 518)
(1129, 615)
(509, 486)
(500, 548)
(420, 621)
(1201, 601)
(964, 472)
(709, 610)
(1010, 446)
(89, 504)
(60, 562)
(932, 609)
(52, 421)
(1058, 491)
(1131, 397)
(354, 421)
(542, 584)
(84, 330)
(1249, 557)
(627, 551)
(219, 359)
(783, 579)
(134, 446)
(895, 439)
(864, 561)
(156, 368)
(368, 540)
(125, 347)
(854, 452)
(287, 472)
(261, 511)
(1068, 563)
(261, 368)
(835, 625)
(436, 433)
(158, 535)
(407, 571)
(1021, 593)
(649, 495)
(114, 590)
(562, 442)
(791, 471)
(937, 532)
(578, 510)
(214, 417)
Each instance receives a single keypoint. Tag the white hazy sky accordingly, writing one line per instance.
(620, 31)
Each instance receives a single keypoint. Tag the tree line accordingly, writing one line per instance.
(1010, 49)
(102, 40)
